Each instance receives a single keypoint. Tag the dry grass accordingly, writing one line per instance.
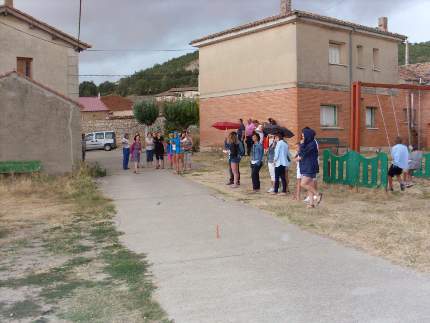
(60, 256)
(395, 226)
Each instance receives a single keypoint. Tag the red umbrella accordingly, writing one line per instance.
(225, 125)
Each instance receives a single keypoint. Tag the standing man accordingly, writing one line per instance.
(282, 163)
(241, 131)
(400, 155)
(249, 131)
(125, 151)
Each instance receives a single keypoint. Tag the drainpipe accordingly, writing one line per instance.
(351, 90)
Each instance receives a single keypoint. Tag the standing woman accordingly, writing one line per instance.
(149, 142)
(234, 155)
(159, 151)
(135, 151)
(187, 146)
(271, 161)
(257, 153)
(308, 159)
(125, 151)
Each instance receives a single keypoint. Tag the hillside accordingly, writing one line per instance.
(177, 72)
(418, 53)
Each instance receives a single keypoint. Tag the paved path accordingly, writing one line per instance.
(261, 270)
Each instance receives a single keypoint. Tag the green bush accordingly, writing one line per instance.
(181, 114)
(146, 112)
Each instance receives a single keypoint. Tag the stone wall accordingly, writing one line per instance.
(120, 125)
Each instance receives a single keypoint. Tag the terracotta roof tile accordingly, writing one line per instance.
(117, 103)
(92, 104)
(415, 72)
(14, 73)
(299, 14)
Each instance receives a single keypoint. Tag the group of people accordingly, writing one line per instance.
(278, 156)
(404, 162)
(177, 147)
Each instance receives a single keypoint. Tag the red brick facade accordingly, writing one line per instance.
(296, 108)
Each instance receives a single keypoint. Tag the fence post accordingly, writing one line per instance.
(326, 165)
(384, 169)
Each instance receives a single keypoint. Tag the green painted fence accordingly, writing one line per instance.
(354, 169)
(20, 167)
(424, 171)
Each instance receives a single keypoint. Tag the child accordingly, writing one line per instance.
(415, 163)
(400, 156)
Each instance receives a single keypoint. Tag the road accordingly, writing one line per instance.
(259, 269)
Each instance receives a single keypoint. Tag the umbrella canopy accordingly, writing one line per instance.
(274, 129)
(226, 125)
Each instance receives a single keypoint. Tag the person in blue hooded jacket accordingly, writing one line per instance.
(308, 159)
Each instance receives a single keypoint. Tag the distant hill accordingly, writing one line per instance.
(178, 72)
(418, 53)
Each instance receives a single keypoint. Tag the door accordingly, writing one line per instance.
(99, 140)
(90, 142)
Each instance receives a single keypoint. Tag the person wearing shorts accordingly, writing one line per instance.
(170, 150)
(178, 156)
(187, 146)
(308, 159)
(159, 151)
(400, 156)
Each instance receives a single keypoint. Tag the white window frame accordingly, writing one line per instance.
(371, 122)
(324, 122)
(334, 53)
(375, 59)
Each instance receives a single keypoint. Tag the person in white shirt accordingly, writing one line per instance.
(400, 156)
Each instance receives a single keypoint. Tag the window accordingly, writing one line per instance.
(23, 66)
(375, 59)
(328, 116)
(109, 135)
(100, 135)
(360, 62)
(89, 137)
(334, 51)
(371, 117)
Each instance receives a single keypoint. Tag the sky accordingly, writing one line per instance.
(138, 27)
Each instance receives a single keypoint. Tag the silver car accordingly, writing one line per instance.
(100, 140)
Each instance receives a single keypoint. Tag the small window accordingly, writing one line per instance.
(100, 135)
(334, 53)
(109, 135)
(328, 116)
(360, 61)
(24, 66)
(375, 58)
(89, 137)
(371, 117)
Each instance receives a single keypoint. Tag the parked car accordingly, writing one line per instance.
(100, 140)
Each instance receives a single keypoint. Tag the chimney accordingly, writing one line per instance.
(8, 3)
(383, 23)
(286, 7)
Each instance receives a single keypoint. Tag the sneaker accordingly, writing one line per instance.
(319, 199)
(409, 185)
(234, 186)
(307, 199)
(402, 187)
(270, 190)
(229, 183)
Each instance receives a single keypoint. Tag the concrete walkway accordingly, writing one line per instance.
(260, 270)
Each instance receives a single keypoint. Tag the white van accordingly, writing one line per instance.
(100, 140)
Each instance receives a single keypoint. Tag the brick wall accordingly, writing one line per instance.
(280, 105)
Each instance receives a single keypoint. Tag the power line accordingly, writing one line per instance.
(141, 50)
(102, 75)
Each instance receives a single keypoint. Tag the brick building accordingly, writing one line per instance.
(298, 67)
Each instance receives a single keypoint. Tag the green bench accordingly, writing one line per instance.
(330, 142)
(20, 167)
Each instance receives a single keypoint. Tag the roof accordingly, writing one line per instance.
(92, 104)
(44, 87)
(117, 103)
(35, 23)
(299, 14)
(174, 91)
(415, 72)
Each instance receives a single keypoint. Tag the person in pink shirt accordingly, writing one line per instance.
(249, 131)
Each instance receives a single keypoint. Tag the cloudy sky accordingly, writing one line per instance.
(145, 25)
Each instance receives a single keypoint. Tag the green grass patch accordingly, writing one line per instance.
(24, 309)
(3, 233)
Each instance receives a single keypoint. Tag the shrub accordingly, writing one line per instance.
(146, 112)
(181, 114)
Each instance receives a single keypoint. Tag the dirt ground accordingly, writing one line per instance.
(60, 257)
(395, 225)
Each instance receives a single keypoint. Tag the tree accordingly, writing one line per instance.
(146, 112)
(88, 88)
(107, 88)
(181, 114)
